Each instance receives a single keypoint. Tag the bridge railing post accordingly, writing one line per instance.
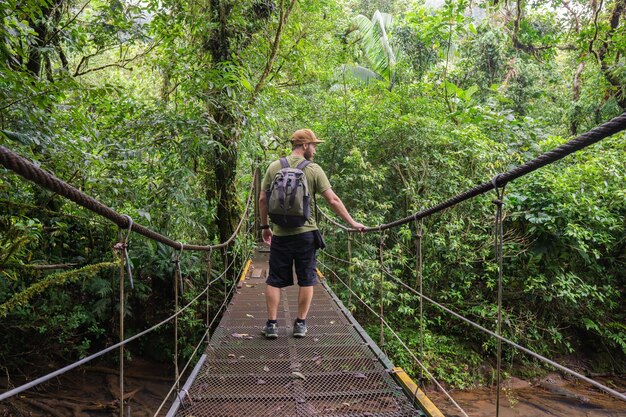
(350, 270)
(257, 214)
(419, 284)
(381, 289)
(208, 285)
(121, 349)
(225, 276)
(498, 246)
(177, 277)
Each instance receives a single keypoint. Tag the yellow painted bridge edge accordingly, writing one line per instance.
(419, 395)
(319, 274)
(244, 274)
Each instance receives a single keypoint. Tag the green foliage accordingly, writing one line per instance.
(445, 358)
(139, 105)
(377, 50)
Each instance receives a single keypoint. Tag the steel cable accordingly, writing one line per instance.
(498, 249)
(83, 361)
(193, 354)
(336, 258)
(30, 171)
(510, 342)
(603, 131)
(431, 376)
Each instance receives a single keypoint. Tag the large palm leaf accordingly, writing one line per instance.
(376, 46)
(362, 73)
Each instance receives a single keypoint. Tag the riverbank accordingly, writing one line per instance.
(551, 395)
(93, 391)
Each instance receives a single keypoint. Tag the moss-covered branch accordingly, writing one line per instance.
(51, 280)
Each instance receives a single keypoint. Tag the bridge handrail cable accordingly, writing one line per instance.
(477, 326)
(510, 342)
(30, 171)
(430, 375)
(89, 358)
(596, 134)
(197, 348)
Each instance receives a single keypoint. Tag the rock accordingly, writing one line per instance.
(515, 383)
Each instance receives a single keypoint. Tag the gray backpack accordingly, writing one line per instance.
(289, 200)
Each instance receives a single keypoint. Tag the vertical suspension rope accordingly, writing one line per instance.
(350, 270)
(208, 284)
(380, 290)
(498, 244)
(121, 349)
(233, 262)
(419, 285)
(225, 277)
(122, 246)
(333, 264)
(257, 190)
(177, 277)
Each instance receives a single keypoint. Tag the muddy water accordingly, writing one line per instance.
(550, 396)
(93, 392)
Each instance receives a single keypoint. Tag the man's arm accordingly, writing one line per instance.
(337, 205)
(266, 233)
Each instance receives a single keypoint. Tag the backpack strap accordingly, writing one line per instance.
(281, 189)
(292, 196)
(300, 166)
(303, 164)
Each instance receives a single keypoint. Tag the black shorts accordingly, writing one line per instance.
(287, 251)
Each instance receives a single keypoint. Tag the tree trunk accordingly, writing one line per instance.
(225, 173)
(225, 112)
(618, 9)
(573, 130)
(40, 26)
(220, 107)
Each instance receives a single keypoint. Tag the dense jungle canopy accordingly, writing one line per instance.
(162, 110)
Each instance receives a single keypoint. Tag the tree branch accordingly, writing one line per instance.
(618, 9)
(595, 34)
(39, 267)
(302, 36)
(274, 52)
(576, 85)
(120, 64)
(69, 22)
(19, 100)
(568, 7)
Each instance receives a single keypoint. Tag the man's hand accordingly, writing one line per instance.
(267, 236)
(358, 226)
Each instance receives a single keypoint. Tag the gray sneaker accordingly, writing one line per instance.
(270, 331)
(299, 329)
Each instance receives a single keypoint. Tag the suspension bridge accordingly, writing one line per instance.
(338, 369)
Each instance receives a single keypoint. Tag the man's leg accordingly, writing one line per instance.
(307, 279)
(279, 276)
(305, 296)
(272, 298)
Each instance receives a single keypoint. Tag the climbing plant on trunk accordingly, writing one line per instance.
(226, 75)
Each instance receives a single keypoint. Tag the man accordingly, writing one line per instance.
(289, 246)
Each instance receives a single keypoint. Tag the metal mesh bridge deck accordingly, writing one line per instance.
(336, 370)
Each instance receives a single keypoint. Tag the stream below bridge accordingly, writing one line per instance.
(92, 392)
(551, 395)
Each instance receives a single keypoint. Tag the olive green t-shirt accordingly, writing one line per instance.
(317, 181)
